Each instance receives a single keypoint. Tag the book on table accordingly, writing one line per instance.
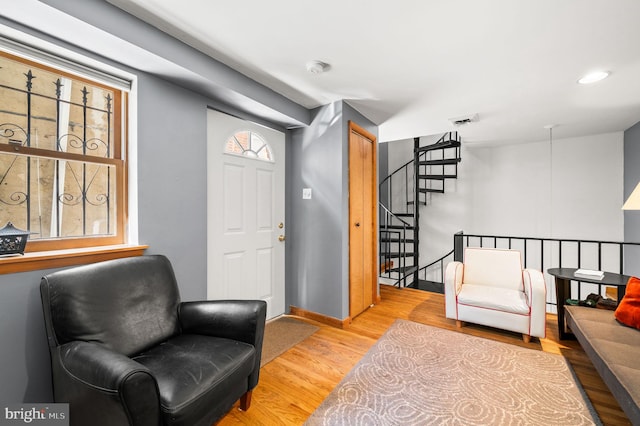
(589, 273)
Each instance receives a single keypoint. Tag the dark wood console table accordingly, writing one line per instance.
(564, 276)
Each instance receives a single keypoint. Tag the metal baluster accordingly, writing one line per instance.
(30, 78)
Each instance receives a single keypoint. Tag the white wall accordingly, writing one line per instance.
(570, 190)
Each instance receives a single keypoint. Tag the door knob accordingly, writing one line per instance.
(281, 238)
(357, 224)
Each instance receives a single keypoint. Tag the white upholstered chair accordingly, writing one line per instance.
(491, 288)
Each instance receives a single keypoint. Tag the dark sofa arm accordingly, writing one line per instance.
(113, 380)
(241, 320)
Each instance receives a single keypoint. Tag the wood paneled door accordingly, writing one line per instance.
(362, 220)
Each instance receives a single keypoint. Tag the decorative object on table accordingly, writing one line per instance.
(418, 374)
(589, 273)
(12, 240)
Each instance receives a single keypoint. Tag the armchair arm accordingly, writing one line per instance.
(452, 285)
(241, 320)
(115, 385)
(536, 291)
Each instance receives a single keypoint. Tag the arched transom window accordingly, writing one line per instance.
(249, 144)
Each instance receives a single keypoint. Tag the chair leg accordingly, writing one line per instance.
(459, 323)
(245, 401)
(526, 338)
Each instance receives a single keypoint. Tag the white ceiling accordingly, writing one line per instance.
(411, 65)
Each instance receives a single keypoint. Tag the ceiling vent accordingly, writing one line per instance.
(459, 121)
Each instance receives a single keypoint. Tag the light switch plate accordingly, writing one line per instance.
(306, 193)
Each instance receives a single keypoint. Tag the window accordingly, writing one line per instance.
(249, 144)
(62, 156)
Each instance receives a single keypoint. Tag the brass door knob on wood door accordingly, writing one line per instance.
(281, 238)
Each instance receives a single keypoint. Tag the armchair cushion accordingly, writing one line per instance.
(493, 267)
(113, 305)
(193, 370)
(497, 298)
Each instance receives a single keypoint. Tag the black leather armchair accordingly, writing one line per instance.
(125, 350)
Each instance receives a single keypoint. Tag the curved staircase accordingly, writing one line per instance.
(409, 187)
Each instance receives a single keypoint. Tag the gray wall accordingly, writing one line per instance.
(631, 179)
(172, 197)
(171, 210)
(317, 266)
(314, 240)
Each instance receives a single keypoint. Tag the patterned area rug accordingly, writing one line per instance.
(422, 375)
(281, 335)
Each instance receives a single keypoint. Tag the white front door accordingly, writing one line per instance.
(245, 204)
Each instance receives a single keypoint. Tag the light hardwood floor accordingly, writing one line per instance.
(293, 385)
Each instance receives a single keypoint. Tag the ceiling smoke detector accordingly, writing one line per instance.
(317, 67)
(466, 119)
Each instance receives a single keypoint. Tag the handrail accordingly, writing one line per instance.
(394, 172)
(439, 260)
(390, 213)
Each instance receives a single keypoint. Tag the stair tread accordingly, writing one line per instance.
(437, 177)
(396, 240)
(395, 252)
(451, 143)
(439, 162)
(437, 190)
(405, 270)
(383, 228)
(426, 285)
(395, 255)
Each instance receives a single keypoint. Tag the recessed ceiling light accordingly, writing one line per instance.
(594, 77)
(317, 67)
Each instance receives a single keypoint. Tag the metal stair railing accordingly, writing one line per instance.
(401, 172)
(395, 230)
(409, 177)
(440, 261)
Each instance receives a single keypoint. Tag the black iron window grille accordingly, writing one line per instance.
(61, 165)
